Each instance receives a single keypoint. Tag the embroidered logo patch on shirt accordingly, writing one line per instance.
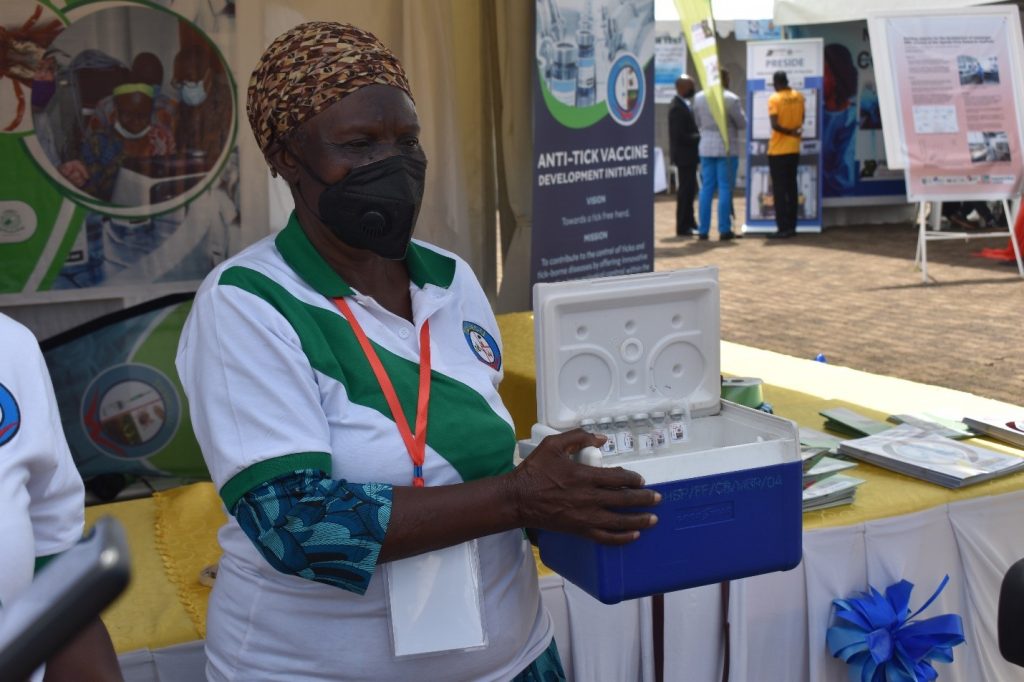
(483, 345)
(10, 416)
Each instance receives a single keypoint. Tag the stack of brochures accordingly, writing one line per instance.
(930, 457)
(824, 485)
(832, 492)
(944, 426)
(847, 422)
(1007, 430)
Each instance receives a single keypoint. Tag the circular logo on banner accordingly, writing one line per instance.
(627, 90)
(484, 347)
(130, 411)
(10, 416)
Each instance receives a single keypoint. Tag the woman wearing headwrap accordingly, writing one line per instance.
(342, 380)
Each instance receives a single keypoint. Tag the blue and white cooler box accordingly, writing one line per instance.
(731, 492)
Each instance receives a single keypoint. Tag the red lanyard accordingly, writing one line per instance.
(415, 444)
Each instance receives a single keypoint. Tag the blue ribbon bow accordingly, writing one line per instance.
(877, 637)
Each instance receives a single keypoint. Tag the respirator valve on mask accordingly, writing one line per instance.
(373, 223)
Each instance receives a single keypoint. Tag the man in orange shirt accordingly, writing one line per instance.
(786, 111)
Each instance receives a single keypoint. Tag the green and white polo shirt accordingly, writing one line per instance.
(42, 492)
(276, 382)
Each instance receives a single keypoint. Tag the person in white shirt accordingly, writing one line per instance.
(43, 495)
(342, 379)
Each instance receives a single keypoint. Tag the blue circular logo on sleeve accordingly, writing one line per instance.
(483, 345)
(627, 90)
(10, 416)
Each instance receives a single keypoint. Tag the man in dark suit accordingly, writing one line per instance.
(684, 137)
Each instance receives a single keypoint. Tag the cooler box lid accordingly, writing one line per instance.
(627, 343)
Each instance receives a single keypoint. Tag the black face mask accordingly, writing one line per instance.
(375, 206)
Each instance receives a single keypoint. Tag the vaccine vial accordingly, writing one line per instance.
(624, 443)
(678, 425)
(586, 78)
(660, 429)
(644, 430)
(606, 428)
(563, 74)
(588, 425)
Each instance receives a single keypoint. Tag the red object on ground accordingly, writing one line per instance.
(1007, 253)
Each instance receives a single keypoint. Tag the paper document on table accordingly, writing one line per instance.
(827, 467)
(943, 426)
(1008, 430)
(923, 454)
(831, 492)
(845, 420)
(812, 438)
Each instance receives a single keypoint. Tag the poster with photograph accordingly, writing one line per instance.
(956, 78)
(669, 59)
(593, 134)
(854, 169)
(802, 60)
(120, 171)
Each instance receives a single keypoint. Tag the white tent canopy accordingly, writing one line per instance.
(721, 10)
(793, 12)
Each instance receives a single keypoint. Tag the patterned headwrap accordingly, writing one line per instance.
(309, 68)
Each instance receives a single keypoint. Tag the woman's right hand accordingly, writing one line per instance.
(553, 492)
(75, 171)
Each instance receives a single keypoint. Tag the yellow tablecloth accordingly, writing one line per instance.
(172, 536)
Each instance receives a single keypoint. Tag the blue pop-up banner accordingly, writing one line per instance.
(802, 60)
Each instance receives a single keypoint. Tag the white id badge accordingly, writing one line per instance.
(435, 602)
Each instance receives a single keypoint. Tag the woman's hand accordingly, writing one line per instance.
(75, 171)
(553, 492)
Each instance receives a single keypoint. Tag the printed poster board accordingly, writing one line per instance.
(106, 194)
(669, 59)
(954, 85)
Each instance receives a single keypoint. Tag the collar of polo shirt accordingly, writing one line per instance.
(425, 266)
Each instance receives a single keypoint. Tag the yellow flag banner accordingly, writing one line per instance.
(699, 29)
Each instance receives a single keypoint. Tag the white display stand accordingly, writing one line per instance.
(932, 127)
(925, 235)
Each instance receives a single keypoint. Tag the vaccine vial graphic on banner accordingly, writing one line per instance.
(593, 134)
(589, 53)
(117, 129)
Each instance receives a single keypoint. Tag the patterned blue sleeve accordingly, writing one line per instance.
(309, 525)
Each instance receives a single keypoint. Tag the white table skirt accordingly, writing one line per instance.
(777, 621)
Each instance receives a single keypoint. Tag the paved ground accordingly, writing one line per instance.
(853, 294)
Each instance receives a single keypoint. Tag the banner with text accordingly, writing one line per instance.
(957, 83)
(854, 171)
(117, 129)
(669, 60)
(802, 60)
(593, 133)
